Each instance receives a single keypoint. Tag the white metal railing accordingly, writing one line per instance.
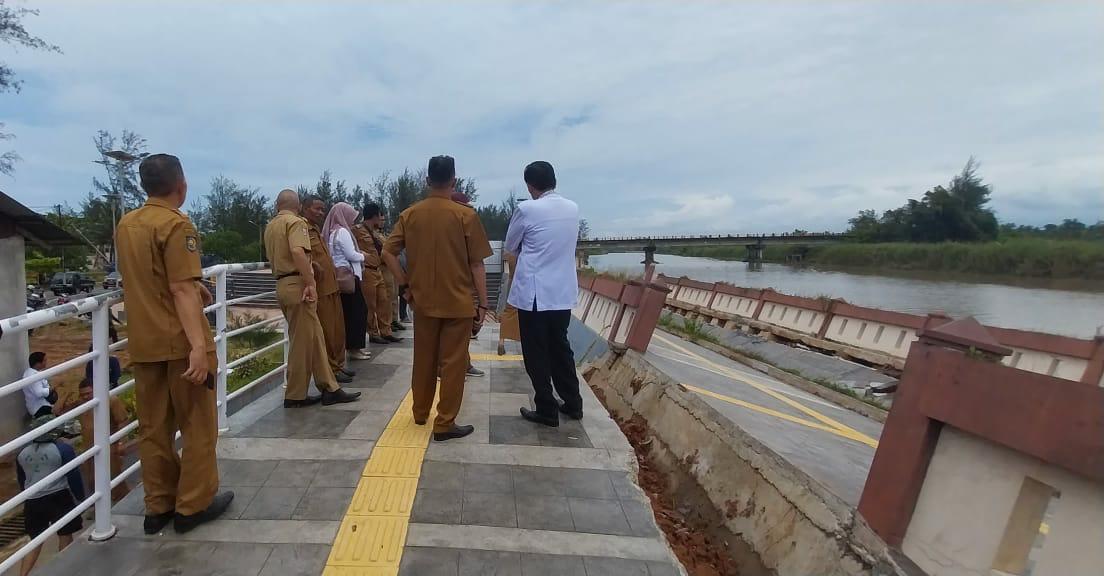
(98, 307)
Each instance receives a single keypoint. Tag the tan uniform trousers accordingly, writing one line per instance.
(441, 341)
(375, 296)
(392, 293)
(333, 329)
(307, 354)
(167, 403)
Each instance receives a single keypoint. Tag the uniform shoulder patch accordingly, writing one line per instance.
(191, 243)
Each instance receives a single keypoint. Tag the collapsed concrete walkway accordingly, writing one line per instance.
(356, 489)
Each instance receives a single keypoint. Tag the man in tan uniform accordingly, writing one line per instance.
(445, 247)
(287, 243)
(374, 286)
(329, 300)
(172, 352)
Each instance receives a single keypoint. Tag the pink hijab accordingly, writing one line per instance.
(341, 215)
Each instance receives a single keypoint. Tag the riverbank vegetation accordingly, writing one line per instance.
(950, 229)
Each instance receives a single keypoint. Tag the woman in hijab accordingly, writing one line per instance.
(348, 260)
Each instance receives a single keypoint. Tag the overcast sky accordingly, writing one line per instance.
(660, 117)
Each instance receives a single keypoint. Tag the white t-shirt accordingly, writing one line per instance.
(35, 393)
(345, 253)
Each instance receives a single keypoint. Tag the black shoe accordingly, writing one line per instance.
(340, 396)
(156, 522)
(347, 372)
(392, 338)
(377, 340)
(456, 432)
(219, 505)
(308, 401)
(342, 378)
(397, 326)
(573, 414)
(533, 416)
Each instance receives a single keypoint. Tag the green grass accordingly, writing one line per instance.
(1024, 257)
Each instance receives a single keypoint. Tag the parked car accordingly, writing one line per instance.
(71, 283)
(112, 281)
(35, 299)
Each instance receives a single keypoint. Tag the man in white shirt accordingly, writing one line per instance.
(542, 234)
(37, 395)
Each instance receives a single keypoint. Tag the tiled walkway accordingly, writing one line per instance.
(511, 499)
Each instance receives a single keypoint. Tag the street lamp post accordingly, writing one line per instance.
(122, 159)
(260, 240)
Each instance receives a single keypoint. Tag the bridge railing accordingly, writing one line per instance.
(99, 309)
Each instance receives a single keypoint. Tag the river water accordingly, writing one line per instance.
(1037, 306)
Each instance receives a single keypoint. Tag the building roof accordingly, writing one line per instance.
(32, 225)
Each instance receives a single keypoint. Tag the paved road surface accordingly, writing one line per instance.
(833, 445)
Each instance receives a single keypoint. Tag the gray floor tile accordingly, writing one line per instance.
(640, 517)
(243, 496)
(366, 426)
(116, 557)
(323, 503)
(513, 430)
(273, 503)
(296, 560)
(442, 476)
(599, 516)
(544, 513)
(429, 562)
(234, 559)
(293, 473)
(625, 488)
(179, 557)
(538, 481)
(488, 563)
(437, 507)
(371, 375)
(321, 424)
(548, 565)
(662, 569)
(569, 434)
(338, 473)
(133, 503)
(488, 478)
(614, 567)
(484, 509)
(582, 483)
(245, 472)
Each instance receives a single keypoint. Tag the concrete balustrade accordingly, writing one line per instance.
(623, 313)
(870, 335)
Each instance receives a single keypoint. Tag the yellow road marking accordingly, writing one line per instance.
(369, 541)
(845, 431)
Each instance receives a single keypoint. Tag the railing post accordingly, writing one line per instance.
(101, 419)
(220, 349)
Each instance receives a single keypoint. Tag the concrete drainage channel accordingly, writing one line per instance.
(729, 504)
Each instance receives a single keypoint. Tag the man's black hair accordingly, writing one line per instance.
(540, 175)
(35, 358)
(310, 199)
(85, 383)
(160, 173)
(442, 169)
(371, 210)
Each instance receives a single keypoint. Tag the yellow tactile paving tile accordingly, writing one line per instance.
(361, 571)
(394, 462)
(496, 357)
(378, 496)
(369, 541)
(417, 437)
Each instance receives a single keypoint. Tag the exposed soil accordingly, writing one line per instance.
(692, 527)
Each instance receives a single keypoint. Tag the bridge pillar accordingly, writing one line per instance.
(582, 259)
(649, 263)
(754, 253)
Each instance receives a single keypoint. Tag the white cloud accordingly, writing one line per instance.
(660, 117)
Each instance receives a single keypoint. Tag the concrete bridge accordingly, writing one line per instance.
(754, 243)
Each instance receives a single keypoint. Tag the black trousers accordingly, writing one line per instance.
(549, 360)
(355, 312)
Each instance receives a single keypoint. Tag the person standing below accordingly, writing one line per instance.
(38, 396)
(329, 300)
(542, 234)
(42, 457)
(287, 244)
(445, 246)
(172, 352)
(348, 261)
(374, 286)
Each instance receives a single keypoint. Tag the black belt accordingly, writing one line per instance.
(282, 276)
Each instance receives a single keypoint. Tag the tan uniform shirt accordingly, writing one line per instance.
(157, 244)
(442, 239)
(364, 241)
(283, 232)
(327, 278)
